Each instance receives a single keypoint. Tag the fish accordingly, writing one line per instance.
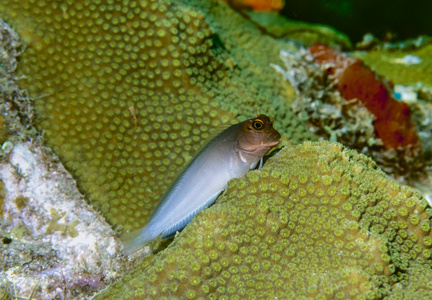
(230, 154)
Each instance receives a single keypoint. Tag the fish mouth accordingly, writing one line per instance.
(273, 139)
(270, 143)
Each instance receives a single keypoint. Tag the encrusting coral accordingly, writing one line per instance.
(126, 93)
(318, 221)
(118, 95)
(407, 66)
(417, 285)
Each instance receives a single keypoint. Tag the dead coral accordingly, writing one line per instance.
(16, 111)
(50, 237)
(348, 122)
(328, 114)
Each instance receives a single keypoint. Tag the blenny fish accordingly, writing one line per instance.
(231, 154)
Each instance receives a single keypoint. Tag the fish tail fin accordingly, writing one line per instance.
(137, 240)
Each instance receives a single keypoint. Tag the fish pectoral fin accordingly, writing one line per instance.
(138, 239)
(254, 164)
(182, 223)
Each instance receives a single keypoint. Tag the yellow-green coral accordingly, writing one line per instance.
(300, 32)
(126, 92)
(417, 285)
(390, 64)
(318, 221)
(98, 68)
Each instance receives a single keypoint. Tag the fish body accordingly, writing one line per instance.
(231, 154)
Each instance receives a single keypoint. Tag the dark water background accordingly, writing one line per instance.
(395, 19)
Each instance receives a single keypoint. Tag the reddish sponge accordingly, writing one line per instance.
(393, 124)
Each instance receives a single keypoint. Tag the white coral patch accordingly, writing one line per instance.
(80, 250)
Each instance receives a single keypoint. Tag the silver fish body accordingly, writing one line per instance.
(207, 175)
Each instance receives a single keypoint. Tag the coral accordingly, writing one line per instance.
(125, 94)
(317, 221)
(392, 63)
(248, 52)
(301, 32)
(353, 80)
(21, 202)
(417, 285)
(328, 114)
(149, 61)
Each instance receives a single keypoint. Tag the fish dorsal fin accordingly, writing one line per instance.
(214, 132)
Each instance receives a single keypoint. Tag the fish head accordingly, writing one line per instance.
(257, 136)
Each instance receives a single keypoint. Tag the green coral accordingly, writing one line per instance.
(318, 221)
(119, 96)
(253, 86)
(390, 64)
(302, 32)
(417, 285)
(126, 93)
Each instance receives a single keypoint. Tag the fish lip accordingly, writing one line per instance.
(271, 144)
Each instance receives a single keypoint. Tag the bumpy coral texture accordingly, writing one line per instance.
(124, 93)
(318, 221)
(417, 285)
(118, 95)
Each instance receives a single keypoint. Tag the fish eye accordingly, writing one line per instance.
(258, 124)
